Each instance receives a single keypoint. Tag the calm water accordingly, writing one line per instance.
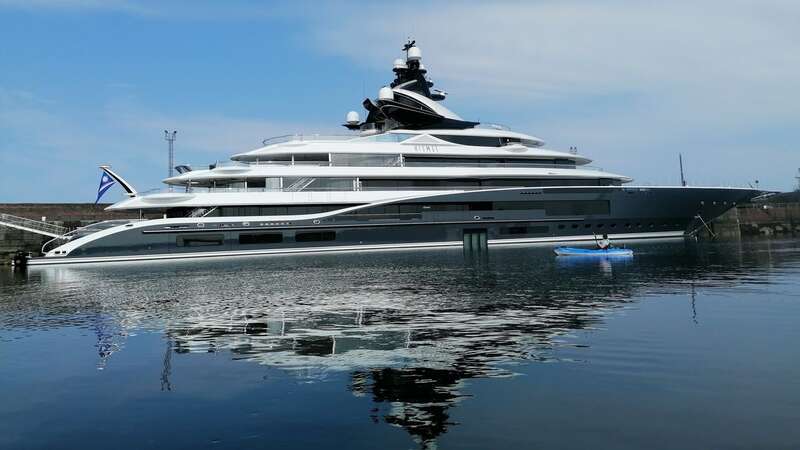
(685, 346)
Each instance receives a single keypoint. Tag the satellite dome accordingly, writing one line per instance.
(385, 94)
(414, 54)
(400, 64)
(352, 118)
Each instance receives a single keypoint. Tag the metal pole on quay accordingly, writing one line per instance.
(170, 138)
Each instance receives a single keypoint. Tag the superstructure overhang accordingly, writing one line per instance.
(267, 171)
(494, 142)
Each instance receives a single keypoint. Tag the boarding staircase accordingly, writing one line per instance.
(32, 226)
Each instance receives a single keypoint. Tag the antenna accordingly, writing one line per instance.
(680, 161)
(409, 44)
(170, 137)
(798, 179)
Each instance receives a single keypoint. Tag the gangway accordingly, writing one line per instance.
(32, 226)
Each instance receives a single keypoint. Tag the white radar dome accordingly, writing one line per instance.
(385, 94)
(400, 64)
(414, 54)
(352, 118)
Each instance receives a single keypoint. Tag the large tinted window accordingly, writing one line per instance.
(522, 229)
(558, 208)
(365, 160)
(315, 236)
(395, 184)
(260, 238)
(437, 161)
(235, 211)
(256, 183)
(311, 157)
(478, 141)
(200, 240)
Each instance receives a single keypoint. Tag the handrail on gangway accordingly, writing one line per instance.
(33, 226)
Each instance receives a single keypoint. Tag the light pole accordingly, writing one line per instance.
(170, 138)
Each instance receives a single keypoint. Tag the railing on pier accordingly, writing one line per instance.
(32, 226)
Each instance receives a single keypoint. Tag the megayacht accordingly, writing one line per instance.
(413, 174)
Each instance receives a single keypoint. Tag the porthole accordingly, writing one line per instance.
(599, 225)
(638, 225)
(627, 225)
(652, 225)
(588, 225)
(575, 225)
(613, 225)
(561, 226)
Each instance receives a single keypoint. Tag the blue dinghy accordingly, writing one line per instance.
(573, 251)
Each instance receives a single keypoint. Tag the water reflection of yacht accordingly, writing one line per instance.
(410, 343)
(412, 174)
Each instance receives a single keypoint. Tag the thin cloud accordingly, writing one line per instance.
(122, 132)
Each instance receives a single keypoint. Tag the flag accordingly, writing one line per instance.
(105, 184)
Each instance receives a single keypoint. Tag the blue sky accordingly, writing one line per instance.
(88, 82)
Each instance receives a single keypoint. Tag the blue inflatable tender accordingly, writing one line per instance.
(573, 251)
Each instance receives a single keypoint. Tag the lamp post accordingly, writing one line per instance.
(170, 138)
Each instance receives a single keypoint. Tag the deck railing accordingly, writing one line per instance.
(307, 137)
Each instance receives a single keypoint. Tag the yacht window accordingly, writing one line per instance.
(200, 240)
(525, 230)
(255, 210)
(486, 141)
(315, 236)
(311, 158)
(229, 184)
(530, 143)
(276, 158)
(421, 161)
(272, 184)
(260, 238)
(477, 141)
(256, 183)
(365, 160)
(392, 184)
(330, 184)
(558, 208)
(388, 137)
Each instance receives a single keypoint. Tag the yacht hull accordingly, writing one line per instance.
(503, 216)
